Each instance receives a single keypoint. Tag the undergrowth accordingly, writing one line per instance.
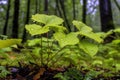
(53, 46)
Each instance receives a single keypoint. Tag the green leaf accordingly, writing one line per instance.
(36, 52)
(36, 29)
(60, 76)
(92, 35)
(97, 62)
(9, 42)
(117, 41)
(3, 72)
(85, 30)
(50, 22)
(88, 47)
(81, 26)
(47, 19)
(109, 32)
(117, 66)
(42, 18)
(91, 75)
(33, 42)
(109, 62)
(57, 28)
(117, 30)
(101, 34)
(54, 20)
(59, 36)
(71, 57)
(64, 40)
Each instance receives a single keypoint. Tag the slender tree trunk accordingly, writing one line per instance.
(84, 11)
(46, 6)
(7, 18)
(58, 8)
(64, 14)
(106, 15)
(37, 6)
(24, 37)
(15, 19)
(74, 15)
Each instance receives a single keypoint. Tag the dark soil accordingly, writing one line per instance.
(36, 73)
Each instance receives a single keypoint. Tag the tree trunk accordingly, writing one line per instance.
(74, 15)
(106, 15)
(7, 18)
(37, 6)
(84, 11)
(64, 14)
(58, 8)
(24, 37)
(15, 19)
(46, 6)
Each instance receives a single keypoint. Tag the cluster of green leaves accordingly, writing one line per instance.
(56, 47)
(109, 52)
(3, 72)
(74, 74)
(7, 57)
(71, 45)
(70, 74)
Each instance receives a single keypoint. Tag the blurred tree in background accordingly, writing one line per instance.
(106, 15)
(14, 14)
(15, 25)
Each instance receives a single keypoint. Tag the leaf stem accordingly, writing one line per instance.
(56, 54)
(41, 52)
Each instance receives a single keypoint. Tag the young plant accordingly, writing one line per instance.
(55, 47)
(61, 45)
